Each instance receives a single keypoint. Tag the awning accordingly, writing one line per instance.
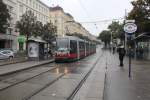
(37, 39)
(143, 37)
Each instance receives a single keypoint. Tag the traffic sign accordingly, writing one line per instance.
(130, 28)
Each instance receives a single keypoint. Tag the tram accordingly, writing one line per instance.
(70, 48)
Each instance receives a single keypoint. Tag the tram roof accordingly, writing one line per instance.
(71, 38)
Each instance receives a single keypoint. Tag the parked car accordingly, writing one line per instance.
(6, 54)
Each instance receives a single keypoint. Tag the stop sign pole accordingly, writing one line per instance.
(130, 28)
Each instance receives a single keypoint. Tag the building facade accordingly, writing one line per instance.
(9, 39)
(40, 10)
(65, 22)
(59, 18)
(16, 9)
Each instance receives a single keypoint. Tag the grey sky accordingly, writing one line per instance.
(93, 10)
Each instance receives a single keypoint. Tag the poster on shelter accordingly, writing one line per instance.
(33, 50)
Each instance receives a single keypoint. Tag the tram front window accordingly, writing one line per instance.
(62, 46)
(62, 43)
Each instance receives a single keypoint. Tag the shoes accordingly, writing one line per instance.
(121, 65)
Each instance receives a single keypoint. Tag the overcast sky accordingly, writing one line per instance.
(93, 13)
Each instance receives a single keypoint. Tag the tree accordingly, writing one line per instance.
(105, 36)
(26, 25)
(4, 17)
(141, 14)
(49, 32)
(37, 29)
(117, 30)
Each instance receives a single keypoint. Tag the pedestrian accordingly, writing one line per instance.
(121, 50)
(113, 48)
(50, 52)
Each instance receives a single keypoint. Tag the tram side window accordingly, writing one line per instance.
(81, 46)
(73, 46)
(87, 46)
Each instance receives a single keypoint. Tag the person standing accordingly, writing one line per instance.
(122, 52)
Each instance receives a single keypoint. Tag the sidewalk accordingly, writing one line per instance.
(13, 61)
(11, 68)
(120, 87)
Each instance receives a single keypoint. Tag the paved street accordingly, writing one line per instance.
(6, 69)
(107, 81)
(120, 87)
(57, 84)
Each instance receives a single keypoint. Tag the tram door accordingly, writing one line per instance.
(73, 49)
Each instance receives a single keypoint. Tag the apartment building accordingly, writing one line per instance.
(9, 40)
(40, 10)
(16, 9)
(65, 22)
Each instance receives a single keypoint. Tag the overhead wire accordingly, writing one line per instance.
(85, 10)
(105, 20)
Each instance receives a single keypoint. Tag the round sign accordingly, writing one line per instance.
(130, 28)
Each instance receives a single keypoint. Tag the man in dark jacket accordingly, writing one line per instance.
(122, 52)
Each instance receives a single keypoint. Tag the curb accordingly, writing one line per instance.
(19, 70)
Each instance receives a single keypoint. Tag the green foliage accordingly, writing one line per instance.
(49, 32)
(141, 14)
(4, 17)
(37, 29)
(27, 23)
(29, 26)
(117, 30)
(105, 36)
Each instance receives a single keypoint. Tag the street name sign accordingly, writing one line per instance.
(130, 28)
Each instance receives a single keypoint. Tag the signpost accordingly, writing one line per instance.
(130, 28)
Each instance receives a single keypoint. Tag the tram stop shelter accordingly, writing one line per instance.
(36, 48)
(143, 44)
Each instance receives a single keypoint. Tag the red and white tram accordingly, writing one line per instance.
(70, 48)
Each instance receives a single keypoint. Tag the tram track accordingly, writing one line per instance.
(76, 88)
(7, 77)
(44, 87)
(48, 83)
(83, 80)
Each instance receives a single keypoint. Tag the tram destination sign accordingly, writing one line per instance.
(130, 28)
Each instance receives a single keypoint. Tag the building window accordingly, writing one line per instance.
(33, 4)
(39, 7)
(27, 1)
(55, 21)
(36, 6)
(30, 2)
(27, 9)
(21, 9)
(10, 8)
